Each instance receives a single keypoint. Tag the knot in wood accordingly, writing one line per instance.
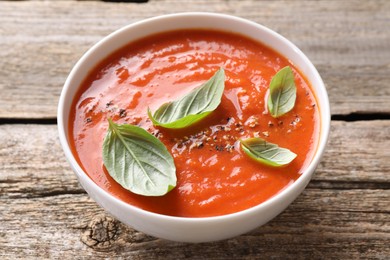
(101, 232)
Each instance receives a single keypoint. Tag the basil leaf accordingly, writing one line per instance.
(282, 92)
(138, 161)
(267, 153)
(193, 106)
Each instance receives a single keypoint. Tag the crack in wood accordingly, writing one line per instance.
(353, 117)
(127, 1)
(33, 194)
(28, 121)
(113, 1)
(101, 233)
(61, 192)
(105, 233)
(348, 185)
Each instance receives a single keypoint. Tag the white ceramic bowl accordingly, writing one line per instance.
(180, 228)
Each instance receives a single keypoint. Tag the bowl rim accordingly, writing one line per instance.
(302, 180)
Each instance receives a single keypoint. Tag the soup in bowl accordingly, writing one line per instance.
(194, 127)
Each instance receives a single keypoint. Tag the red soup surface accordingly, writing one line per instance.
(214, 176)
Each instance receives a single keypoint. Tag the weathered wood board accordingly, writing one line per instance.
(344, 212)
(348, 41)
(319, 224)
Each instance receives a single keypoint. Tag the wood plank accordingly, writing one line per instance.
(33, 163)
(319, 224)
(357, 152)
(33, 160)
(45, 214)
(40, 42)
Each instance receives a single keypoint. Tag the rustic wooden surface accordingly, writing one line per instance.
(343, 214)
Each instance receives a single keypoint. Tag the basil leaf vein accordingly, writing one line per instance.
(266, 152)
(192, 107)
(282, 92)
(138, 161)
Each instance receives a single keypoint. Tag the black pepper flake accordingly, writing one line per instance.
(122, 112)
(109, 104)
(228, 119)
(88, 120)
(219, 148)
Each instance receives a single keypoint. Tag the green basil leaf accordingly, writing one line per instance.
(193, 106)
(138, 161)
(282, 92)
(267, 153)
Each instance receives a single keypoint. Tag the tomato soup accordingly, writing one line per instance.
(214, 176)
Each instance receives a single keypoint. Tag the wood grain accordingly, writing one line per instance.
(348, 41)
(320, 223)
(344, 212)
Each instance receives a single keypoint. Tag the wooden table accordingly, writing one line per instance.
(343, 213)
